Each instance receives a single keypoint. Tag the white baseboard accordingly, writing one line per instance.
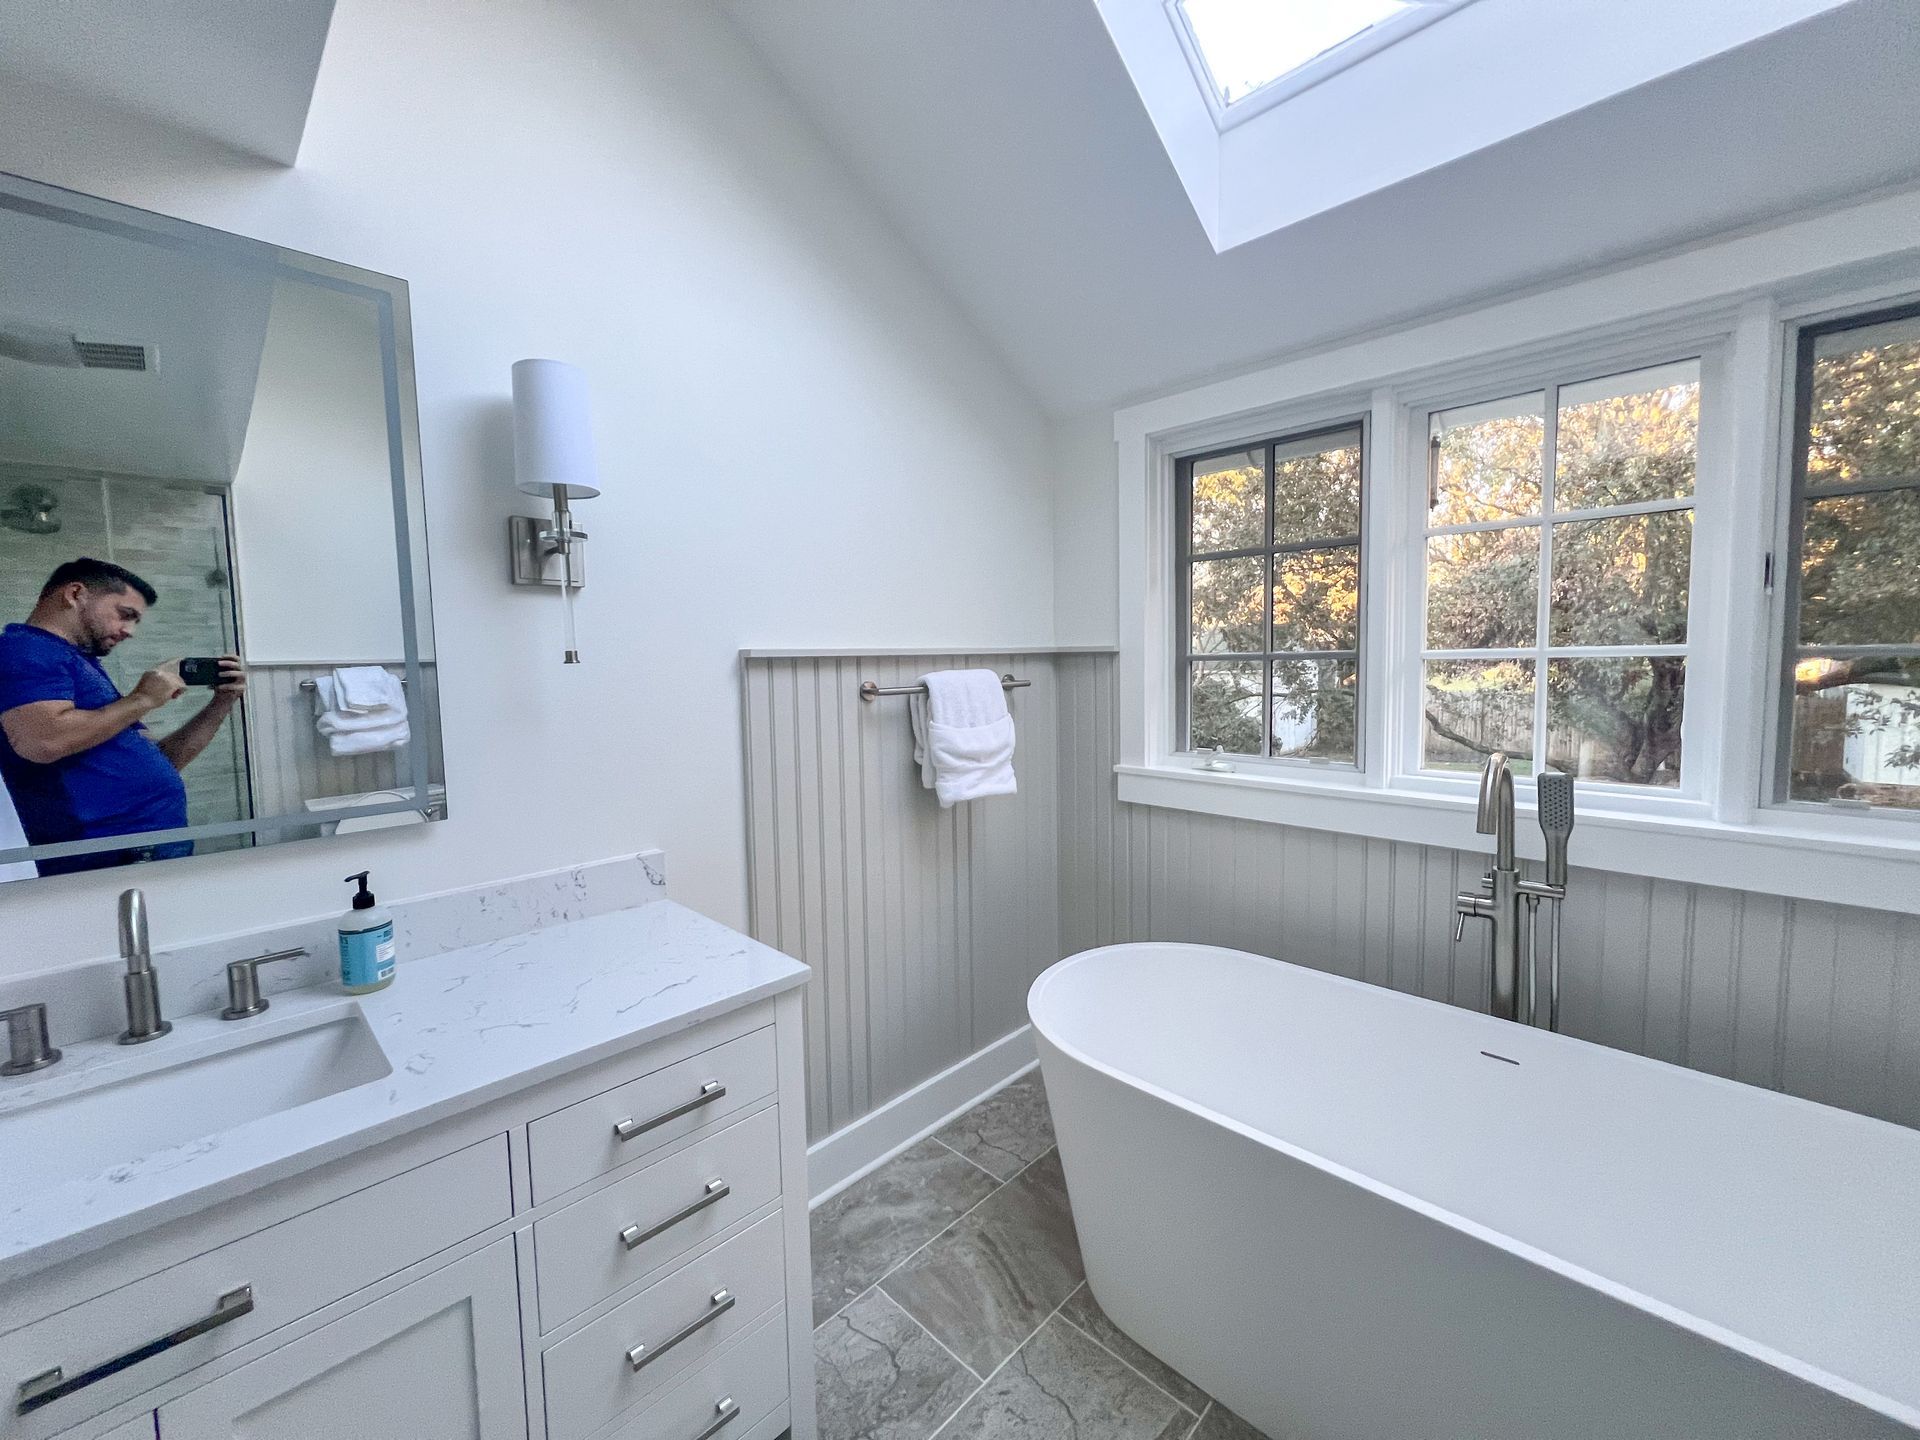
(869, 1142)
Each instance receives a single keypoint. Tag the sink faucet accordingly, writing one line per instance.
(143, 986)
(1509, 902)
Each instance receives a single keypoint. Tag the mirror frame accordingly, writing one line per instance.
(390, 298)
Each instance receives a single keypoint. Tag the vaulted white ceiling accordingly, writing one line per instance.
(1007, 143)
(237, 72)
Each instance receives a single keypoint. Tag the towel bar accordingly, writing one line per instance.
(871, 691)
(309, 685)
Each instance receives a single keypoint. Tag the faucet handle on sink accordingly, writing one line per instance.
(28, 1046)
(243, 983)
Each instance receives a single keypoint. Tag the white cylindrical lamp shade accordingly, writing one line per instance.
(552, 429)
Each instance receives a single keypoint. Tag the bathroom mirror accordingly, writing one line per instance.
(213, 558)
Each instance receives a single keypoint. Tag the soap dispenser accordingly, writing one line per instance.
(366, 942)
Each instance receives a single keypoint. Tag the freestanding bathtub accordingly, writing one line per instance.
(1350, 1212)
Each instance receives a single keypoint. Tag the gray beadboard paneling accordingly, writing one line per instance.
(1818, 1000)
(924, 927)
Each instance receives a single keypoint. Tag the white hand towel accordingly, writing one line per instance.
(370, 741)
(963, 736)
(360, 727)
(364, 689)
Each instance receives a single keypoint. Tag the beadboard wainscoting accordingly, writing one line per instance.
(289, 759)
(924, 927)
(1817, 1000)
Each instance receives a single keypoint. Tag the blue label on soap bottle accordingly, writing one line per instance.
(366, 956)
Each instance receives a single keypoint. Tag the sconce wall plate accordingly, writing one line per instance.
(535, 560)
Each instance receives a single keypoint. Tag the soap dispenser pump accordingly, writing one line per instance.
(366, 942)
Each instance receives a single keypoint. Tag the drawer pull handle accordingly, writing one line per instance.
(709, 1092)
(52, 1385)
(633, 1237)
(640, 1356)
(728, 1412)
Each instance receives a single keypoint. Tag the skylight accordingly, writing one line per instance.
(1246, 45)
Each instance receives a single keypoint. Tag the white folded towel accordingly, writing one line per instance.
(364, 689)
(963, 736)
(361, 710)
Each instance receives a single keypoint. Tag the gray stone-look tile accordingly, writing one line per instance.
(986, 1285)
(881, 1377)
(1007, 1131)
(1062, 1386)
(1084, 1311)
(877, 1222)
(1220, 1423)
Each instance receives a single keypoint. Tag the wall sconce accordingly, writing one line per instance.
(552, 457)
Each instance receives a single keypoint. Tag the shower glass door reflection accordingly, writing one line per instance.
(176, 538)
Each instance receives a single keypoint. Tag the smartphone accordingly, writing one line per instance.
(200, 670)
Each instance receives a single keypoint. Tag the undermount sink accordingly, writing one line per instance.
(122, 1118)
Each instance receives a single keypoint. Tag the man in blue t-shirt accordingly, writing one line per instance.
(74, 754)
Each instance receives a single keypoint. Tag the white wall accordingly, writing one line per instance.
(1084, 530)
(801, 441)
(313, 494)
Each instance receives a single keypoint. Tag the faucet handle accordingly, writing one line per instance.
(27, 1040)
(243, 983)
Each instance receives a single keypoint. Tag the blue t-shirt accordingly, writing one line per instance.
(119, 787)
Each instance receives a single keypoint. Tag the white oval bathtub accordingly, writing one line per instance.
(1350, 1212)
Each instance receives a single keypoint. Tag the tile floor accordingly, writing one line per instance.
(949, 1299)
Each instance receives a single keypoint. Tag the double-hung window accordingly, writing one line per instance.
(1269, 576)
(1558, 545)
(1850, 700)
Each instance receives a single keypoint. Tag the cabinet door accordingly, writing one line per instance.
(437, 1360)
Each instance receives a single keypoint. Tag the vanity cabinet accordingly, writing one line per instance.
(619, 1251)
(436, 1360)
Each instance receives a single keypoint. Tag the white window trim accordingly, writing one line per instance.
(1734, 302)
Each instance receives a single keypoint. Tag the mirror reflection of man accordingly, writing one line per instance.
(74, 753)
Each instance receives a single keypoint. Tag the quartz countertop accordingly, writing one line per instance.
(458, 1030)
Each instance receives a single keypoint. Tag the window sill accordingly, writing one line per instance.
(1778, 854)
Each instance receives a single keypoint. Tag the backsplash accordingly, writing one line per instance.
(85, 1000)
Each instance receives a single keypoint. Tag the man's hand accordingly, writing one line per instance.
(186, 743)
(160, 684)
(233, 681)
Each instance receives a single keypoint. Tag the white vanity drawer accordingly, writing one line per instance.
(616, 1235)
(669, 1328)
(573, 1145)
(247, 1287)
(725, 1398)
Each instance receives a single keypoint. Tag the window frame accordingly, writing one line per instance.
(1549, 382)
(1267, 440)
(1360, 46)
(1784, 556)
(1703, 740)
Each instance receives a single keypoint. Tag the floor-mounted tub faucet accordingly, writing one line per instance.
(1510, 902)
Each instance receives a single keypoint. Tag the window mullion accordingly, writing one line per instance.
(1266, 591)
(1549, 466)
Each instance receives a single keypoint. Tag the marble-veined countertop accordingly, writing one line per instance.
(458, 1030)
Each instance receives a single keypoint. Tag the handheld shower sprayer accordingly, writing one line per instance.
(1553, 802)
(1553, 799)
